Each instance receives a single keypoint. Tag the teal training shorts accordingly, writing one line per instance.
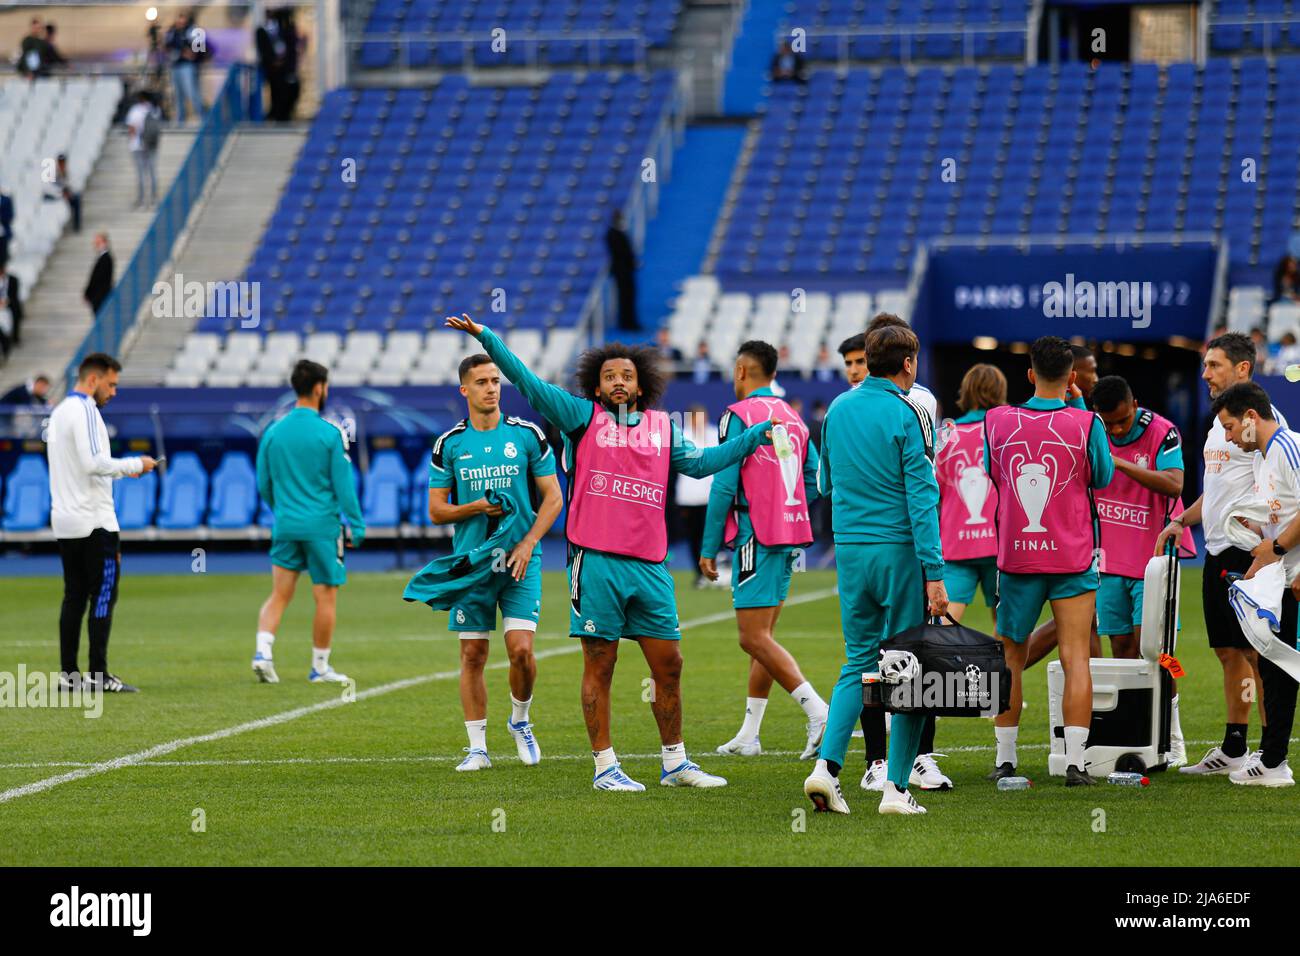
(760, 576)
(611, 596)
(1021, 597)
(517, 599)
(322, 558)
(961, 578)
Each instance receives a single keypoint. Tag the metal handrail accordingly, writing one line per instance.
(118, 313)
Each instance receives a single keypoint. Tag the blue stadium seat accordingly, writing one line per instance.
(27, 495)
(184, 493)
(387, 482)
(136, 500)
(234, 492)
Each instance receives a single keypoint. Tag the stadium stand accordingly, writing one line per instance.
(449, 34)
(38, 121)
(27, 495)
(1254, 26)
(919, 29)
(345, 279)
(1035, 150)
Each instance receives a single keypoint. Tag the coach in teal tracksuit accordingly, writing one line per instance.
(876, 465)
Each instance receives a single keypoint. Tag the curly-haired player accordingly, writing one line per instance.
(619, 452)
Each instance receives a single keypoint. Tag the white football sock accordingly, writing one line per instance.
(477, 730)
(809, 700)
(320, 660)
(519, 710)
(1075, 739)
(674, 756)
(1006, 737)
(754, 707)
(1175, 725)
(604, 758)
(265, 641)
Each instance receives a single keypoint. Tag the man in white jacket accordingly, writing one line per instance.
(1247, 418)
(83, 519)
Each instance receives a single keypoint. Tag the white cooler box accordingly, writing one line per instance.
(1130, 698)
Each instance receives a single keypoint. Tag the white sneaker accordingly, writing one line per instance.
(1254, 774)
(689, 774)
(474, 760)
(613, 778)
(899, 801)
(816, 730)
(737, 747)
(927, 775)
(874, 778)
(824, 790)
(1215, 762)
(264, 668)
(529, 752)
(328, 676)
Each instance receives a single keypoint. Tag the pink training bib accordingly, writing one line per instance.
(620, 485)
(778, 503)
(967, 499)
(1132, 516)
(1041, 471)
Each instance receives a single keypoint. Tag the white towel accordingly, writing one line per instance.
(1253, 509)
(1258, 605)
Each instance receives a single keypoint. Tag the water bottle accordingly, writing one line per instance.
(1015, 783)
(1292, 373)
(1128, 779)
(781, 442)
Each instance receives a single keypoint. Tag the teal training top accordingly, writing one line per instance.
(877, 464)
(972, 417)
(503, 459)
(304, 475)
(727, 488)
(1099, 458)
(571, 415)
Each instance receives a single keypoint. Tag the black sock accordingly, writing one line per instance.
(1234, 740)
(833, 768)
(873, 729)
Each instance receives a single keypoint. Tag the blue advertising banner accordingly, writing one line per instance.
(1134, 295)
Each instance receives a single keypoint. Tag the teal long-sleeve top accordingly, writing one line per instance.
(572, 414)
(727, 488)
(304, 475)
(1099, 457)
(877, 466)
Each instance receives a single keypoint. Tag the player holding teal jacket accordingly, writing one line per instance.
(304, 475)
(488, 451)
(619, 452)
(877, 465)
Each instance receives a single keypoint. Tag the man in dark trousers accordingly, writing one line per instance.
(11, 308)
(622, 267)
(101, 276)
(6, 222)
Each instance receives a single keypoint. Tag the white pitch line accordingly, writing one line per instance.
(162, 750)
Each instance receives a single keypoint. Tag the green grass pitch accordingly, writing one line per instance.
(371, 782)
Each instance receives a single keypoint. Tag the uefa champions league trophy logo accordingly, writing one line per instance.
(788, 461)
(973, 486)
(1033, 487)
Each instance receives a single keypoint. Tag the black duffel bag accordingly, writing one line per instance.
(963, 673)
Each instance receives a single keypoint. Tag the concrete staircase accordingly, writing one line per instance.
(219, 239)
(56, 317)
(702, 42)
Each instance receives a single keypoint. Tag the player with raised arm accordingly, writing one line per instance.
(304, 475)
(619, 452)
(760, 507)
(485, 451)
(1044, 458)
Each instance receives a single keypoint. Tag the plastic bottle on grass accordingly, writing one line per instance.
(1128, 779)
(1015, 783)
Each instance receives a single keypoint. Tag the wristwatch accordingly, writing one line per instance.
(1278, 549)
